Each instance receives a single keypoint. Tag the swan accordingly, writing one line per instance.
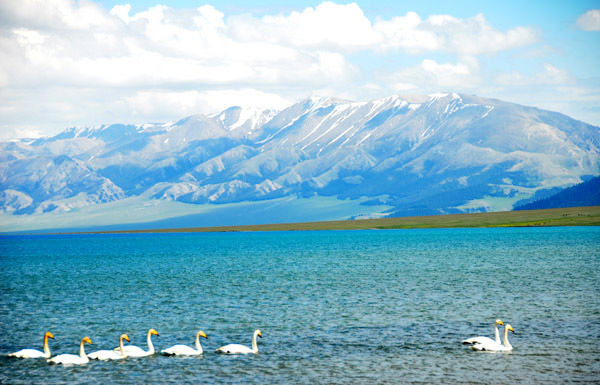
(73, 359)
(241, 349)
(481, 340)
(184, 350)
(136, 351)
(105, 355)
(32, 353)
(496, 347)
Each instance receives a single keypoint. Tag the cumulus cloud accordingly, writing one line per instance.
(329, 26)
(76, 42)
(76, 60)
(472, 36)
(589, 21)
(429, 76)
(345, 28)
(548, 75)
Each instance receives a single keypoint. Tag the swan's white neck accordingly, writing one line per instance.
(506, 343)
(150, 345)
(82, 353)
(198, 346)
(254, 345)
(122, 347)
(46, 347)
(496, 333)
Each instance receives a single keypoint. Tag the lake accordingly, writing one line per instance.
(333, 306)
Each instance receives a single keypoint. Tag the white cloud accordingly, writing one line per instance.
(548, 75)
(553, 75)
(406, 33)
(75, 63)
(65, 42)
(472, 36)
(23, 132)
(165, 47)
(329, 26)
(145, 103)
(590, 21)
(430, 76)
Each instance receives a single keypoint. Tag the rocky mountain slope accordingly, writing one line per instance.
(442, 153)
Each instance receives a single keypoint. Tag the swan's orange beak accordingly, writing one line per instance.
(125, 337)
(259, 334)
(202, 334)
(499, 322)
(87, 340)
(49, 335)
(153, 332)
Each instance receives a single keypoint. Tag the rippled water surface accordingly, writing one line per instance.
(333, 307)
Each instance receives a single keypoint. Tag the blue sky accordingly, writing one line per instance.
(84, 63)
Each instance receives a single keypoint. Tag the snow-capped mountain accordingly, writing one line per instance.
(441, 153)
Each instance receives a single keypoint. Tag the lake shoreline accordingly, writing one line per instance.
(571, 216)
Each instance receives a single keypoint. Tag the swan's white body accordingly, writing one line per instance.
(72, 359)
(33, 353)
(493, 346)
(106, 355)
(184, 350)
(485, 340)
(136, 351)
(241, 349)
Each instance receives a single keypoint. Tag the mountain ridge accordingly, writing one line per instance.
(451, 153)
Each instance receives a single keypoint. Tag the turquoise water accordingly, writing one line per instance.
(333, 306)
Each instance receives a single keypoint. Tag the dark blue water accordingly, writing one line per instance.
(333, 306)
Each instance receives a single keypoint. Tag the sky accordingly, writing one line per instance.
(66, 63)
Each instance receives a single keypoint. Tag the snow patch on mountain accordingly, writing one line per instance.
(12, 200)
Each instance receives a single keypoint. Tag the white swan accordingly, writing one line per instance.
(72, 359)
(32, 353)
(481, 340)
(241, 349)
(136, 351)
(184, 350)
(106, 355)
(493, 346)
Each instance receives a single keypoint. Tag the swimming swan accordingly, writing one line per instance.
(72, 359)
(496, 347)
(32, 353)
(136, 351)
(106, 355)
(241, 349)
(184, 350)
(481, 340)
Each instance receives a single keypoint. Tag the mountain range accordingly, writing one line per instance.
(396, 156)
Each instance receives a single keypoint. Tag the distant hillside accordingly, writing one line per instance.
(319, 159)
(583, 194)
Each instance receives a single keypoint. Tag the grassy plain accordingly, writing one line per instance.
(572, 216)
